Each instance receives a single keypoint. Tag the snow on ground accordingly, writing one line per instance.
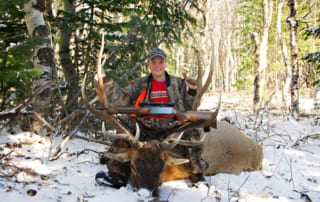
(291, 165)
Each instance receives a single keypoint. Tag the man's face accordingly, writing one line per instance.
(157, 66)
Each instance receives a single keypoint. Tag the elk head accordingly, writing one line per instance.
(149, 161)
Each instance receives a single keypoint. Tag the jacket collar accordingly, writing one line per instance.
(168, 82)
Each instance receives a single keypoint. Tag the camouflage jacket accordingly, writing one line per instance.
(176, 88)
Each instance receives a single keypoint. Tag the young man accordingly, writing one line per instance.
(158, 87)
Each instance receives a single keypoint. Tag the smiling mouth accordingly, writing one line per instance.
(158, 70)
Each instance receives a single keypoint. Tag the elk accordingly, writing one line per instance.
(152, 162)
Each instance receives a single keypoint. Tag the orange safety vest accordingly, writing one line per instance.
(140, 98)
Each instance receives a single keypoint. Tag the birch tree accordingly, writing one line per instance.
(294, 87)
(285, 59)
(259, 81)
(43, 58)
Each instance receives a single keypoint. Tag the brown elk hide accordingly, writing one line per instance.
(146, 165)
(174, 172)
(228, 150)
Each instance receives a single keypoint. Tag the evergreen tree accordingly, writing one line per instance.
(16, 72)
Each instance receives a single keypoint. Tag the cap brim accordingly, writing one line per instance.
(156, 55)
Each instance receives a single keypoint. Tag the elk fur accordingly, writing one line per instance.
(228, 150)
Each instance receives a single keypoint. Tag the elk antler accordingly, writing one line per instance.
(209, 118)
(104, 115)
(101, 114)
(134, 140)
(172, 140)
(193, 119)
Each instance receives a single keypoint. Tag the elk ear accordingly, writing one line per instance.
(170, 161)
(122, 157)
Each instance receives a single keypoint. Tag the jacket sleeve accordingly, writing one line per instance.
(125, 96)
(179, 92)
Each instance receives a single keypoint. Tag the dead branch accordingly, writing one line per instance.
(17, 110)
(264, 110)
(243, 183)
(69, 118)
(77, 154)
(12, 114)
(39, 117)
(305, 138)
(4, 155)
(39, 90)
(85, 151)
(68, 138)
(75, 112)
(172, 192)
(291, 173)
(91, 140)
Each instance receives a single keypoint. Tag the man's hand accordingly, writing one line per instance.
(190, 82)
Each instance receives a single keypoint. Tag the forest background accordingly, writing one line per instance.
(268, 49)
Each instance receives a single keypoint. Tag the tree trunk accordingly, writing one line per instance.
(287, 73)
(317, 97)
(268, 7)
(294, 87)
(257, 75)
(259, 80)
(69, 69)
(43, 57)
(317, 103)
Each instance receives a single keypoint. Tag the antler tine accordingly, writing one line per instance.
(99, 88)
(131, 138)
(172, 140)
(213, 120)
(137, 135)
(86, 101)
(193, 143)
(111, 135)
